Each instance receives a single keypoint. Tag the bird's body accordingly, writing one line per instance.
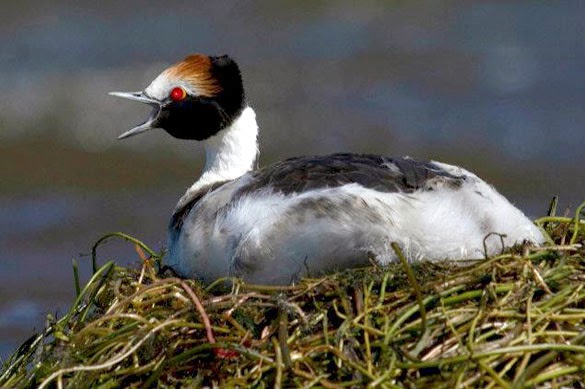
(313, 215)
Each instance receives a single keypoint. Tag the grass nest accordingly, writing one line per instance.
(511, 321)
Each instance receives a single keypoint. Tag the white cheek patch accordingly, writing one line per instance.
(162, 86)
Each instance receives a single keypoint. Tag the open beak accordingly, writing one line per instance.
(152, 119)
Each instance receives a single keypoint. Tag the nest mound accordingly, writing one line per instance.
(511, 321)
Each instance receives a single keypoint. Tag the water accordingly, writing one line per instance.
(496, 87)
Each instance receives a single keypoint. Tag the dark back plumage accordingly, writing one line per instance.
(303, 174)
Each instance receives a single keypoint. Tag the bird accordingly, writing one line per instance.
(309, 215)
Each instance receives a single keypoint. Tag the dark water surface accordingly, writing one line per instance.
(495, 86)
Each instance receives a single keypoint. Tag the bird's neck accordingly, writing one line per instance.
(229, 154)
(232, 152)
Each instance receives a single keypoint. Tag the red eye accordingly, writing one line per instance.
(178, 94)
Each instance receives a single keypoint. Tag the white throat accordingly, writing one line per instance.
(229, 154)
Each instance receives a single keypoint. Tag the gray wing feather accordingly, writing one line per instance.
(301, 174)
(375, 172)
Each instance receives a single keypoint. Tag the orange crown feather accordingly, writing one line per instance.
(196, 70)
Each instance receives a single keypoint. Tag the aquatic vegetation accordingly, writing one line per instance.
(515, 320)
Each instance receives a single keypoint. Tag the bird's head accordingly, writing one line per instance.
(193, 99)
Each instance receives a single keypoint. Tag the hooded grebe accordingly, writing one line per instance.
(313, 214)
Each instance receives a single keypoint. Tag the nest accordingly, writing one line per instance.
(511, 321)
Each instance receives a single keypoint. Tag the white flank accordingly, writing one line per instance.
(272, 237)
